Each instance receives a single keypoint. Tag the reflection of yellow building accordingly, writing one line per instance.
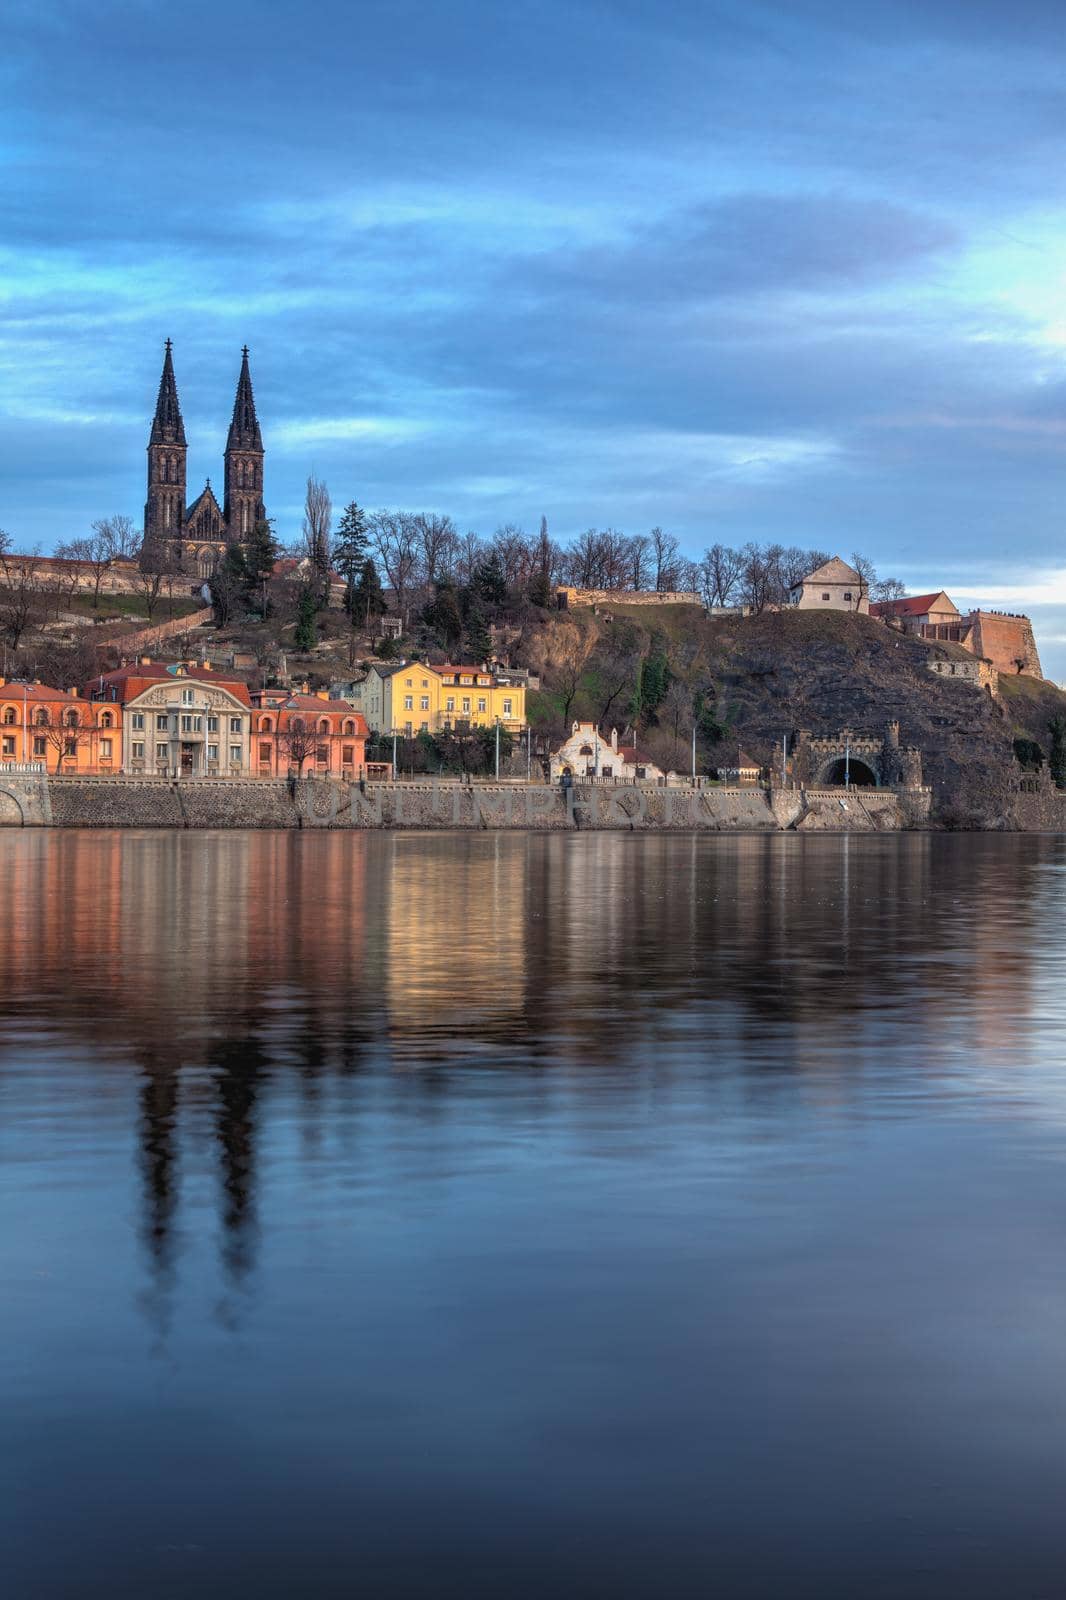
(413, 697)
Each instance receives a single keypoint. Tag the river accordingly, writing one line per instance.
(502, 1214)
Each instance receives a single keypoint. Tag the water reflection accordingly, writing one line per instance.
(613, 1130)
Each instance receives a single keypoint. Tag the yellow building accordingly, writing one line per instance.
(412, 698)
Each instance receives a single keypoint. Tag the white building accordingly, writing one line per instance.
(587, 754)
(832, 587)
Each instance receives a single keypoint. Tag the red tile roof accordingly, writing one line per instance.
(130, 681)
(915, 605)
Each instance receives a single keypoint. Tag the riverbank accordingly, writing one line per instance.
(35, 800)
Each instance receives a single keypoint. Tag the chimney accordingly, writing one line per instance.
(614, 738)
(207, 666)
(74, 692)
(146, 661)
(322, 694)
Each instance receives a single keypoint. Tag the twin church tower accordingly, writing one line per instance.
(200, 531)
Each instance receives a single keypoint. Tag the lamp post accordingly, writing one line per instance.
(847, 761)
(497, 749)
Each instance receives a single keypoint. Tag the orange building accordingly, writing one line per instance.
(59, 729)
(304, 734)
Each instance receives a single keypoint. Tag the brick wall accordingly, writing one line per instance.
(148, 638)
(567, 597)
(1005, 640)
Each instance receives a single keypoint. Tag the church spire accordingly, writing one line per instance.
(167, 424)
(244, 431)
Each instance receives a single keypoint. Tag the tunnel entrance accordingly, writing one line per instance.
(861, 776)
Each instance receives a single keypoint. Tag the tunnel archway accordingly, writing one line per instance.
(861, 774)
(11, 812)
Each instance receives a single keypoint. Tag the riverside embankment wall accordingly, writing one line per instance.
(133, 803)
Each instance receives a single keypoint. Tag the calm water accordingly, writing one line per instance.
(599, 1216)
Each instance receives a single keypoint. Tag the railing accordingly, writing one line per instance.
(22, 769)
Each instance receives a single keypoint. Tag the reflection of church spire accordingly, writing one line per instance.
(158, 1163)
(238, 1067)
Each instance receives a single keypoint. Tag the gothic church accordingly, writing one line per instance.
(198, 533)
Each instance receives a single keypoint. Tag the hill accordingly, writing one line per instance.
(755, 679)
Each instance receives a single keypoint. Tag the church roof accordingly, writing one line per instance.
(167, 425)
(244, 431)
(833, 571)
(205, 497)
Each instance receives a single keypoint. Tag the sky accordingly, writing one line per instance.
(785, 269)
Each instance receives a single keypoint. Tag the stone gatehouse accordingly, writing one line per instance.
(865, 760)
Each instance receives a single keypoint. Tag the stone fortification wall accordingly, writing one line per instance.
(222, 803)
(1006, 641)
(567, 597)
(24, 798)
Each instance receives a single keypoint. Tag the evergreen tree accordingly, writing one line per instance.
(444, 617)
(653, 683)
(488, 582)
(306, 636)
(478, 639)
(1057, 758)
(540, 589)
(260, 554)
(369, 599)
(229, 584)
(350, 552)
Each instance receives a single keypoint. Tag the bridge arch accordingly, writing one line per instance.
(11, 813)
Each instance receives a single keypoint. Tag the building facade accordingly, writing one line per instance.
(588, 754)
(197, 533)
(412, 697)
(834, 586)
(58, 728)
(300, 735)
(178, 721)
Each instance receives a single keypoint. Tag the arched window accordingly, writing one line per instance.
(205, 562)
(323, 724)
(41, 718)
(71, 718)
(10, 716)
(266, 725)
(586, 750)
(107, 721)
(349, 727)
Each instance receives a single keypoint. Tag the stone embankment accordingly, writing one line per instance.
(213, 803)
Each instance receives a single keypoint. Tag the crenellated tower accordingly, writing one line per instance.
(243, 484)
(164, 511)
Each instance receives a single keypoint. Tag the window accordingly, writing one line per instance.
(408, 702)
(507, 708)
(234, 755)
(322, 755)
(234, 724)
(105, 749)
(138, 721)
(71, 719)
(10, 716)
(425, 702)
(451, 703)
(409, 682)
(70, 747)
(191, 724)
(847, 594)
(348, 755)
(481, 702)
(466, 704)
(107, 720)
(212, 752)
(39, 746)
(41, 719)
(162, 722)
(8, 747)
(212, 725)
(265, 725)
(138, 750)
(186, 697)
(825, 597)
(408, 729)
(264, 753)
(425, 727)
(161, 753)
(349, 728)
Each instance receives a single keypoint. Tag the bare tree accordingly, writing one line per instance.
(637, 562)
(21, 599)
(720, 572)
(317, 526)
(757, 580)
(867, 578)
(889, 589)
(118, 536)
(395, 537)
(66, 734)
(299, 741)
(438, 546)
(616, 664)
(470, 556)
(566, 669)
(154, 572)
(664, 549)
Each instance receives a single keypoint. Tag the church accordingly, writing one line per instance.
(198, 533)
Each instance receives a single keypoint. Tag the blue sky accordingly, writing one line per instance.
(785, 270)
